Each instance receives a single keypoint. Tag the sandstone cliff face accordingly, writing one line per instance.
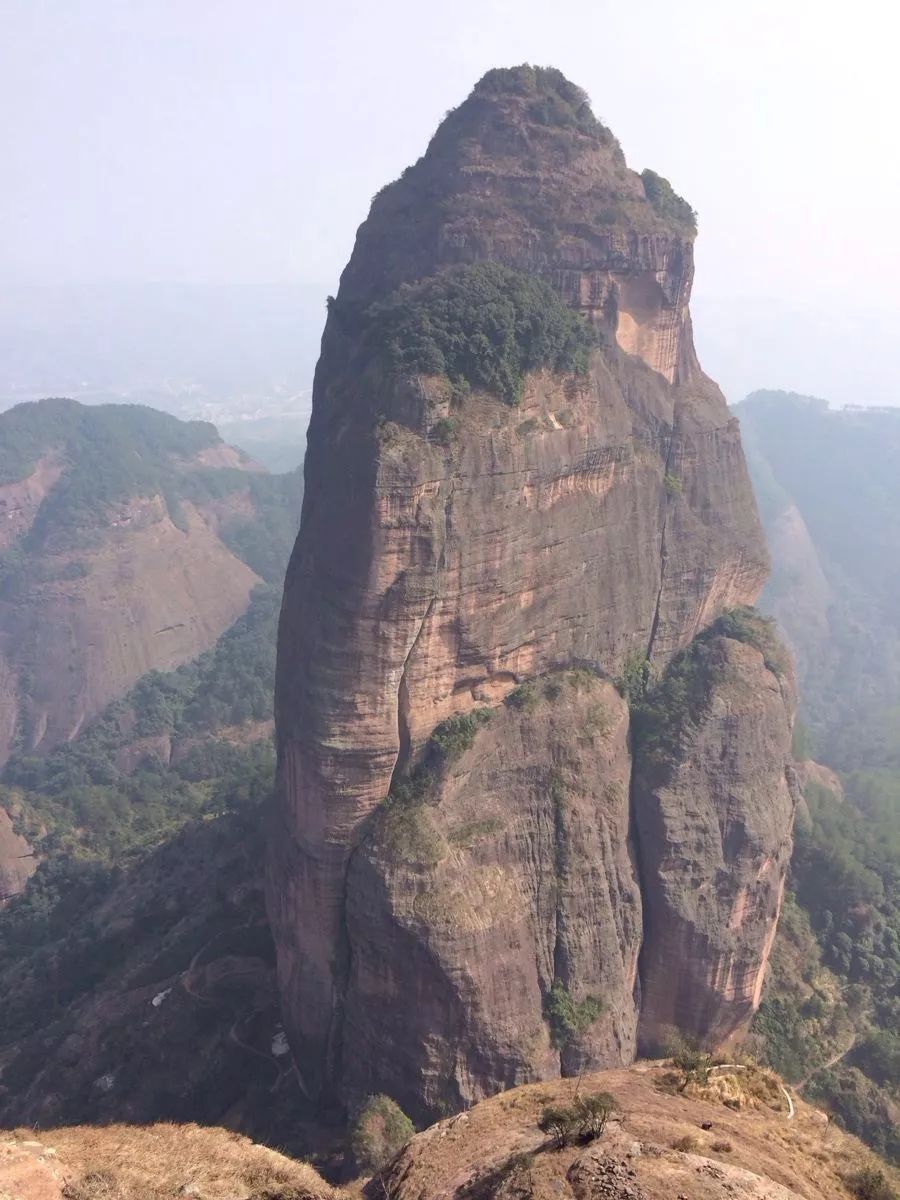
(452, 546)
(465, 910)
(713, 805)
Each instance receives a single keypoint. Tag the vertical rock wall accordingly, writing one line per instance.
(453, 546)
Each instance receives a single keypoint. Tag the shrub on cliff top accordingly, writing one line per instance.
(666, 710)
(749, 626)
(380, 1132)
(553, 99)
(585, 1119)
(666, 201)
(485, 325)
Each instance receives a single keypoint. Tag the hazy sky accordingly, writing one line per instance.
(241, 140)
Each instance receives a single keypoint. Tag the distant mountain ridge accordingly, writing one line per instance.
(219, 340)
(828, 486)
(129, 542)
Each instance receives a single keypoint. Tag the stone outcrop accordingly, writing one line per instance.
(659, 1145)
(453, 546)
(713, 805)
(466, 910)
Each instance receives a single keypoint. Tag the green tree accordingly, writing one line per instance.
(380, 1131)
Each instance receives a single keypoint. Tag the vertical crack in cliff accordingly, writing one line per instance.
(663, 553)
(403, 702)
(343, 964)
(640, 870)
(556, 787)
(404, 738)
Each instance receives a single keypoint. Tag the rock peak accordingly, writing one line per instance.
(519, 485)
(523, 174)
(542, 96)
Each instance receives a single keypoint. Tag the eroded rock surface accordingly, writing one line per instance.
(464, 911)
(453, 545)
(713, 805)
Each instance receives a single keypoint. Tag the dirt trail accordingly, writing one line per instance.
(835, 1058)
(187, 982)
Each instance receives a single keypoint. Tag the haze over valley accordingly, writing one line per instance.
(449, 650)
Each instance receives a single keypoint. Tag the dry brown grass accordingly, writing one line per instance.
(158, 1162)
(746, 1086)
(688, 1144)
(677, 1134)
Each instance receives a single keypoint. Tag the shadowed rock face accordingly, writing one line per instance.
(607, 513)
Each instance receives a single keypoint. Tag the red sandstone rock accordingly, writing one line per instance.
(605, 515)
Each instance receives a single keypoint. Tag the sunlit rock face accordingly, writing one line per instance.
(453, 546)
(713, 815)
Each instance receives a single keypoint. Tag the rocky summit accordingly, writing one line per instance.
(534, 804)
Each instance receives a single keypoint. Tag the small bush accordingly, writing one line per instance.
(445, 431)
(689, 1058)
(586, 1119)
(559, 1122)
(581, 677)
(95, 1185)
(524, 697)
(454, 736)
(689, 1144)
(568, 1019)
(593, 1112)
(870, 1184)
(722, 1147)
(598, 719)
(379, 1133)
(635, 677)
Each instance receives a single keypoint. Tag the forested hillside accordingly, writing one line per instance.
(828, 483)
(828, 486)
(129, 542)
(148, 831)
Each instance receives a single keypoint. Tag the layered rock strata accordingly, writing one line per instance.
(452, 546)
